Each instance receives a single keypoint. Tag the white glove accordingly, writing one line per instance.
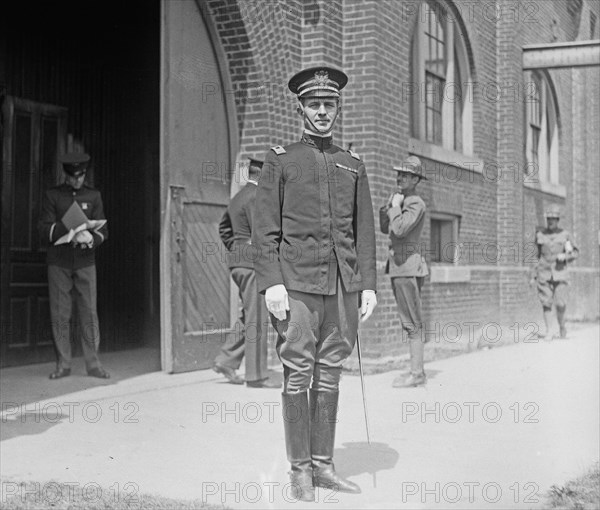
(368, 302)
(397, 200)
(276, 299)
(84, 238)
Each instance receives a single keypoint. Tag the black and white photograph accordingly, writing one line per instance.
(295, 254)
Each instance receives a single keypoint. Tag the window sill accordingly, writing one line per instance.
(548, 187)
(449, 274)
(442, 155)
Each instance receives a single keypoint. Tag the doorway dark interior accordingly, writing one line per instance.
(95, 67)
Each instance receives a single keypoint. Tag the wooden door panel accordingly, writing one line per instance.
(205, 273)
(21, 188)
(33, 135)
(196, 187)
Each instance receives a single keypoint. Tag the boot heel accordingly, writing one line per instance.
(302, 485)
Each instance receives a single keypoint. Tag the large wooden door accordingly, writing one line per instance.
(33, 133)
(196, 164)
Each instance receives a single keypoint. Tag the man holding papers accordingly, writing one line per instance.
(73, 225)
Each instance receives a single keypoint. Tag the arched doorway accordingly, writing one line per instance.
(80, 80)
(197, 141)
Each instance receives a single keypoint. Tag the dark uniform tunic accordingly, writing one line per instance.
(71, 266)
(314, 233)
(235, 230)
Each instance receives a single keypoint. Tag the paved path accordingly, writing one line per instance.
(492, 429)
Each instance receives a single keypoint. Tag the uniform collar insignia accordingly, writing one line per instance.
(319, 142)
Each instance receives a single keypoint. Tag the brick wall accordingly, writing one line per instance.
(266, 42)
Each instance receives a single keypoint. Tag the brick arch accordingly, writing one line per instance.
(261, 52)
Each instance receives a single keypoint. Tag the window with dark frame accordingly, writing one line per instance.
(435, 74)
(535, 119)
(444, 238)
(542, 128)
(439, 71)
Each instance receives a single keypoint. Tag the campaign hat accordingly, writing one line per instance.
(552, 211)
(411, 165)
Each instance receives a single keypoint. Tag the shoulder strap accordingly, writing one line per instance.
(353, 154)
(278, 149)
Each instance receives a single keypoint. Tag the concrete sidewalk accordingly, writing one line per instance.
(492, 429)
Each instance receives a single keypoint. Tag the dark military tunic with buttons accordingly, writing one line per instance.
(314, 231)
(314, 219)
(235, 228)
(57, 201)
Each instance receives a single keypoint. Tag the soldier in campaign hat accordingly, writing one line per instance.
(235, 230)
(555, 250)
(314, 233)
(73, 265)
(403, 218)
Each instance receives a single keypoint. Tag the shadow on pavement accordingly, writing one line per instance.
(358, 458)
(30, 422)
(23, 388)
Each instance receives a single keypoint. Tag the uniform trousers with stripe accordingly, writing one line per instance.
(63, 284)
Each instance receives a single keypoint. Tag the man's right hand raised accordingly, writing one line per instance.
(276, 299)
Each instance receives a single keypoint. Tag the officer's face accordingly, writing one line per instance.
(552, 223)
(75, 181)
(319, 112)
(406, 181)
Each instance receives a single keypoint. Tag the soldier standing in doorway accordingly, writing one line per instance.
(72, 266)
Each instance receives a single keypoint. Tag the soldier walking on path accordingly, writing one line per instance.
(235, 230)
(555, 250)
(314, 232)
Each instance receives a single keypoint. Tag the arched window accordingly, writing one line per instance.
(441, 111)
(542, 128)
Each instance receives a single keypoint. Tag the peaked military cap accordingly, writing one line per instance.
(256, 161)
(552, 212)
(74, 164)
(255, 167)
(411, 165)
(322, 79)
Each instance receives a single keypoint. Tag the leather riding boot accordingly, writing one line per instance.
(323, 416)
(296, 422)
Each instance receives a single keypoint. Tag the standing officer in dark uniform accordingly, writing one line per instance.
(235, 231)
(72, 266)
(555, 250)
(403, 218)
(315, 236)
